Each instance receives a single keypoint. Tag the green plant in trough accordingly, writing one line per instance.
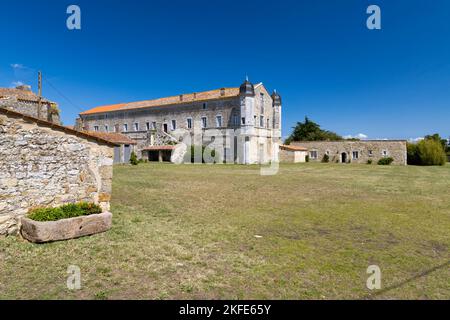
(66, 211)
(385, 161)
(133, 159)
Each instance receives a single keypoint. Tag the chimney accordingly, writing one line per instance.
(195, 95)
(24, 87)
(222, 92)
(181, 97)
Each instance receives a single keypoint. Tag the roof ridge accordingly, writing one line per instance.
(165, 101)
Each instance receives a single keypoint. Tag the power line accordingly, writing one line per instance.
(62, 95)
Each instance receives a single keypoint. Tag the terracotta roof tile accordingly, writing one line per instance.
(293, 148)
(157, 148)
(185, 98)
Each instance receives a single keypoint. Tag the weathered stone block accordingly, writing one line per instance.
(41, 232)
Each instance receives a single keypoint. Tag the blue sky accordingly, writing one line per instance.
(388, 83)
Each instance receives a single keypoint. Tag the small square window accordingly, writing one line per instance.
(189, 123)
(204, 106)
(96, 128)
(136, 127)
(370, 153)
(154, 125)
(313, 155)
(125, 127)
(204, 122)
(147, 126)
(174, 125)
(355, 155)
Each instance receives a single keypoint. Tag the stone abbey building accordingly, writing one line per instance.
(242, 124)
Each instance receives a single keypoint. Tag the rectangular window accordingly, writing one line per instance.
(106, 128)
(243, 120)
(125, 127)
(313, 155)
(189, 123)
(384, 153)
(204, 122)
(147, 126)
(236, 120)
(96, 128)
(370, 153)
(268, 123)
(136, 127)
(262, 102)
(174, 125)
(355, 155)
(204, 106)
(219, 121)
(154, 125)
(261, 121)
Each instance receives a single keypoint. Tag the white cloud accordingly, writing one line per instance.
(361, 136)
(415, 139)
(17, 66)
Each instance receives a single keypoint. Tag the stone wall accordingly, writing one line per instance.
(44, 167)
(49, 112)
(343, 151)
(289, 156)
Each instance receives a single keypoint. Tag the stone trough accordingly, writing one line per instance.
(41, 232)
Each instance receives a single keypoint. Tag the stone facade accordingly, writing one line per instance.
(23, 100)
(46, 165)
(244, 127)
(356, 151)
(290, 154)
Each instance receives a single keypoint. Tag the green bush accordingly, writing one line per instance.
(370, 161)
(66, 211)
(427, 152)
(307, 158)
(133, 159)
(385, 161)
(198, 152)
(326, 158)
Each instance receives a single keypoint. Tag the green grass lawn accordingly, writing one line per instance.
(188, 232)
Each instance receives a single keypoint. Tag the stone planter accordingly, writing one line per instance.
(40, 232)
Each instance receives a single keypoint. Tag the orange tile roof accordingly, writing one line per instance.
(293, 148)
(157, 148)
(185, 98)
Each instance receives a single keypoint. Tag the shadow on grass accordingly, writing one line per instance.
(404, 282)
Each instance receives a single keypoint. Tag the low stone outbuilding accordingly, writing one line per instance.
(43, 164)
(293, 154)
(124, 145)
(361, 151)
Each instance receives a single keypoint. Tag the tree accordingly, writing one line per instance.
(437, 137)
(428, 152)
(133, 159)
(311, 131)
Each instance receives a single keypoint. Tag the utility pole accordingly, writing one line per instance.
(39, 94)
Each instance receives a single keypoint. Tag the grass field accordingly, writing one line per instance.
(225, 232)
